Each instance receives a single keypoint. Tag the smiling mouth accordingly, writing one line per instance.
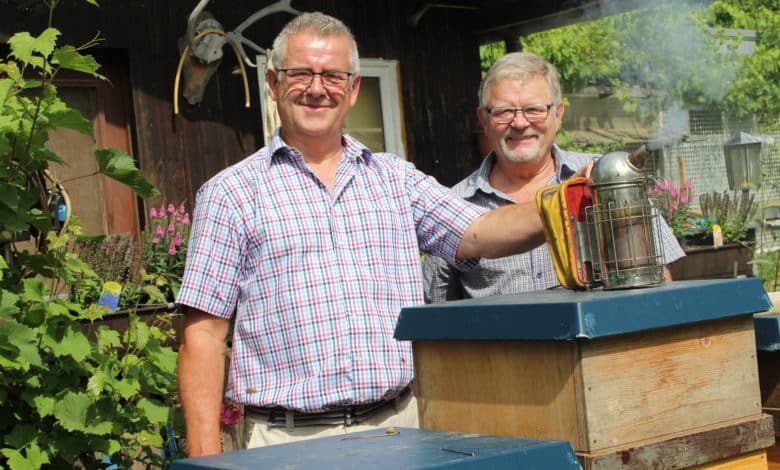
(521, 138)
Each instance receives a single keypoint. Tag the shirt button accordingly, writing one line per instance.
(538, 275)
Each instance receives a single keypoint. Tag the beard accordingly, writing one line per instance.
(521, 156)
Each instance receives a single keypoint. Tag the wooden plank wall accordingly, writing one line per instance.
(439, 67)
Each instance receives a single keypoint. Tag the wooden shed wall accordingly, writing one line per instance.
(439, 70)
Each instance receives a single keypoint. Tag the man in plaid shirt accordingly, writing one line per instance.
(311, 248)
(521, 110)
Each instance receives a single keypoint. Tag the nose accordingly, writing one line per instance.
(519, 115)
(316, 87)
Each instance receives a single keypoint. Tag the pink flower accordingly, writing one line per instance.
(171, 209)
(182, 210)
(153, 213)
(185, 220)
(161, 212)
(171, 249)
(159, 230)
(230, 414)
(155, 241)
(177, 239)
(171, 229)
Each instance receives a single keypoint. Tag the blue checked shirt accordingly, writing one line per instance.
(316, 279)
(525, 272)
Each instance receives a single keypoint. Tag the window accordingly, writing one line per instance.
(376, 118)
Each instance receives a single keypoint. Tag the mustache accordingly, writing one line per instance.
(511, 133)
(310, 100)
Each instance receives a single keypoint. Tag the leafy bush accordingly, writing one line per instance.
(69, 390)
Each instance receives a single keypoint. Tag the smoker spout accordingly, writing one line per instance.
(638, 156)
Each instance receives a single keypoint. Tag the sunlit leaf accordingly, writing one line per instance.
(23, 45)
(23, 340)
(68, 57)
(70, 119)
(34, 290)
(73, 343)
(44, 405)
(120, 166)
(153, 410)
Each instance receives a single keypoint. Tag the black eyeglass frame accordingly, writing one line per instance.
(321, 74)
(515, 109)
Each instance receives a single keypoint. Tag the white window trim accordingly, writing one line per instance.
(385, 70)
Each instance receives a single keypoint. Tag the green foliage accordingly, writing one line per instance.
(565, 141)
(489, 53)
(768, 264)
(757, 86)
(68, 388)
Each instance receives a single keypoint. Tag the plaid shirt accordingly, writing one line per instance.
(316, 278)
(525, 272)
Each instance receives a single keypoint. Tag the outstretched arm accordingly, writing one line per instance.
(507, 230)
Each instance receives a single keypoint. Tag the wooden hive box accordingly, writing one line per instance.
(619, 374)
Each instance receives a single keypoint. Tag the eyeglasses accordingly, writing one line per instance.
(304, 77)
(531, 113)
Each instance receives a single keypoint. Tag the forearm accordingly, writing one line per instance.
(201, 378)
(508, 230)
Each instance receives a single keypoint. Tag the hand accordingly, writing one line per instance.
(585, 171)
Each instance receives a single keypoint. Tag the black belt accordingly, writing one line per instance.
(346, 415)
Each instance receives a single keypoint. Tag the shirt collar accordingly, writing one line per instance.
(353, 149)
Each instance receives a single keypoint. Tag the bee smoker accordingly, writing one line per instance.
(622, 224)
(604, 232)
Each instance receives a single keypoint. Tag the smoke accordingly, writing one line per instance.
(672, 127)
(671, 52)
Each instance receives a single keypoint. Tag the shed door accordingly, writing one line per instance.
(103, 206)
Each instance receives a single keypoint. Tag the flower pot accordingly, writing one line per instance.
(706, 262)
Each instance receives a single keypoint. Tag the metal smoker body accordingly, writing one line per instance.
(622, 240)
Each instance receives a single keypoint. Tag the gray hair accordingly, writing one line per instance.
(317, 24)
(523, 66)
